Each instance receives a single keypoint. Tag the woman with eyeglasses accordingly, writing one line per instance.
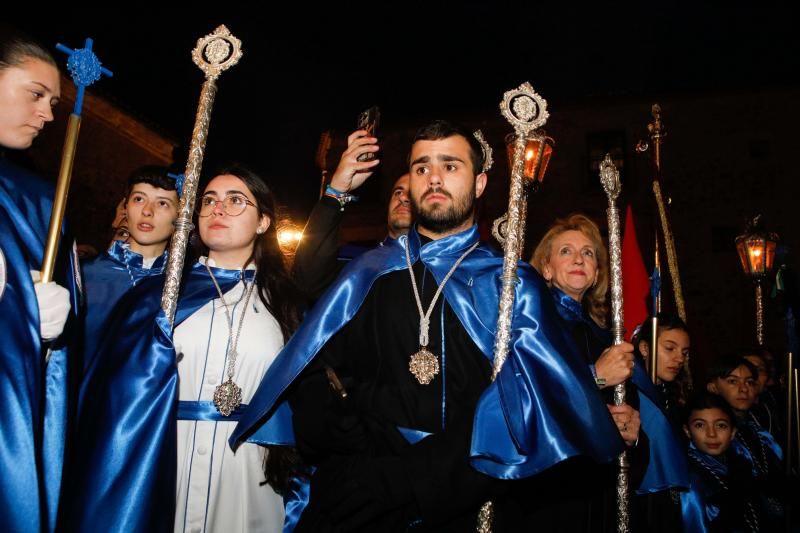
(159, 402)
(225, 348)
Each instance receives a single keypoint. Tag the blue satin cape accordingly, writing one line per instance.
(696, 511)
(544, 406)
(667, 465)
(106, 278)
(35, 396)
(124, 477)
(766, 439)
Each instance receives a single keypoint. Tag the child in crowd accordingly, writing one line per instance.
(734, 379)
(721, 495)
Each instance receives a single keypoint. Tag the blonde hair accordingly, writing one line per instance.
(595, 297)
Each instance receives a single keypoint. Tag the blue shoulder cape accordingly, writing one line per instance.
(667, 465)
(544, 406)
(697, 511)
(35, 395)
(123, 478)
(106, 278)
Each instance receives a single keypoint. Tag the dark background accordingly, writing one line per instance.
(727, 77)
(315, 68)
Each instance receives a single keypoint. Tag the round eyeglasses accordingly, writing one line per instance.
(233, 205)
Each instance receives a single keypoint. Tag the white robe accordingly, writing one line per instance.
(219, 490)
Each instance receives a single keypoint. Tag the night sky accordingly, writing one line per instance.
(311, 70)
(314, 69)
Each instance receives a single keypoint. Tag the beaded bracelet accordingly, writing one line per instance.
(343, 198)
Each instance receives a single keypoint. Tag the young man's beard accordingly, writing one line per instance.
(440, 219)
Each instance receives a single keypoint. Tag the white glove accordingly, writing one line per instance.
(54, 306)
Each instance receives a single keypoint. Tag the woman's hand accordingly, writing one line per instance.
(615, 364)
(628, 422)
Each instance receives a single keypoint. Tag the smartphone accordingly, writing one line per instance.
(368, 120)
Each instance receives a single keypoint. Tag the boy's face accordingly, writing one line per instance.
(711, 430)
(737, 388)
(151, 212)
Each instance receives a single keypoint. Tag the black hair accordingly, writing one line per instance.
(706, 400)
(152, 175)
(666, 321)
(681, 387)
(442, 129)
(275, 286)
(727, 363)
(762, 353)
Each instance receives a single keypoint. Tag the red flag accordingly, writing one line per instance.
(635, 280)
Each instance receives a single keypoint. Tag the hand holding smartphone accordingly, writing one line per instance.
(368, 120)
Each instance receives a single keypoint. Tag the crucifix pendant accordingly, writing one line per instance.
(227, 397)
(424, 365)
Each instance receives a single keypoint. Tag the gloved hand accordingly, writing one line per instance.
(54, 306)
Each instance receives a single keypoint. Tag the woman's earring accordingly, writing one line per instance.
(260, 231)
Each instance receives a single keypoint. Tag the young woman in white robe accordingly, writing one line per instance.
(233, 337)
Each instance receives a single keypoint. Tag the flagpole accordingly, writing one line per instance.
(656, 296)
(214, 53)
(789, 408)
(657, 134)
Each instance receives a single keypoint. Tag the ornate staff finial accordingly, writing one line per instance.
(214, 53)
(524, 109)
(609, 177)
(217, 52)
(486, 149)
(85, 69)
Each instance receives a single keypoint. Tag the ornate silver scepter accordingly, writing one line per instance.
(609, 177)
(527, 112)
(214, 53)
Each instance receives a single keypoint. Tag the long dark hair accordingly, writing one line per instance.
(275, 286)
(280, 296)
(681, 388)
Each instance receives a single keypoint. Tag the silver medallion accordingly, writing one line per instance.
(424, 365)
(227, 397)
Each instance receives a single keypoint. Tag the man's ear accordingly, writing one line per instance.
(480, 184)
(712, 387)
